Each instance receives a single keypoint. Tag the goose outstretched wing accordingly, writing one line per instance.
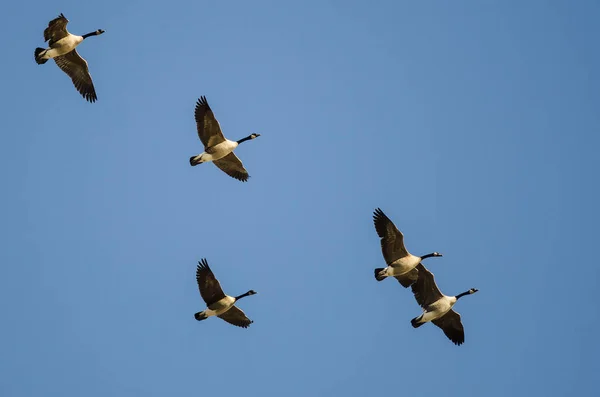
(233, 167)
(424, 289)
(56, 30)
(236, 317)
(392, 239)
(209, 130)
(452, 326)
(209, 286)
(77, 69)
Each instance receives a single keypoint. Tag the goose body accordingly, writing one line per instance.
(217, 149)
(401, 264)
(437, 307)
(216, 152)
(218, 303)
(62, 48)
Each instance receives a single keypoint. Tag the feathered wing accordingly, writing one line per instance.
(233, 167)
(236, 317)
(407, 279)
(56, 30)
(209, 286)
(424, 289)
(392, 239)
(452, 326)
(77, 69)
(209, 130)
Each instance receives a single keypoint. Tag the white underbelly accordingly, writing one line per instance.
(405, 264)
(220, 150)
(437, 310)
(221, 306)
(64, 46)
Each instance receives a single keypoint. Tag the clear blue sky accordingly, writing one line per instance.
(474, 126)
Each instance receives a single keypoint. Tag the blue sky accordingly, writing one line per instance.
(473, 125)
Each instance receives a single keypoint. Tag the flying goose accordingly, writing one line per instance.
(401, 264)
(216, 148)
(437, 307)
(218, 304)
(62, 49)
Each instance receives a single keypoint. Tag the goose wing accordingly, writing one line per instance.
(452, 326)
(425, 290)
(77, 68)
(56, 30)
(392, 239)
(236, 317)
(209, 130)
(209, 286)
(407, 279)
(233, 167)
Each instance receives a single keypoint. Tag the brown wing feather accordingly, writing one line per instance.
(77, 69)
(233, 167)
(452, 326)
(424, 289)
(56, 30)
(236, 317)
(407, 279)
(209, 130)
(392, 239)
(209, 286)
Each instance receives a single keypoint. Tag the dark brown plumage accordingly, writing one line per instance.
(56, 30)
(77, 69)
(209, 286)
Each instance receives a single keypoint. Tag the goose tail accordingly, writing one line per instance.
(200, 316)
(38, 56)
(195, 160)
(379, 277)
(415, 322)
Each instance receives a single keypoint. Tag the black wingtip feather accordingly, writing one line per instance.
(202, 102)
(203, 264)
(379, 221)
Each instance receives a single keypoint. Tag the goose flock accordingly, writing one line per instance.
(408, 269)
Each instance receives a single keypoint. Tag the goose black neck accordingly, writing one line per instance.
(243, 295)
(85, 36)
(462, 294)
(244, 139)
(428, 256)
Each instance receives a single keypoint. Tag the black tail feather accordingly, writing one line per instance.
(414, 322)
(200, 316)
(192, 162)
(377, 276)
(37, 53)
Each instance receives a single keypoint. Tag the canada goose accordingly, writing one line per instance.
(216, 148)
(401, 264)
(62, 49)
(437, 307)
(218, 304)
